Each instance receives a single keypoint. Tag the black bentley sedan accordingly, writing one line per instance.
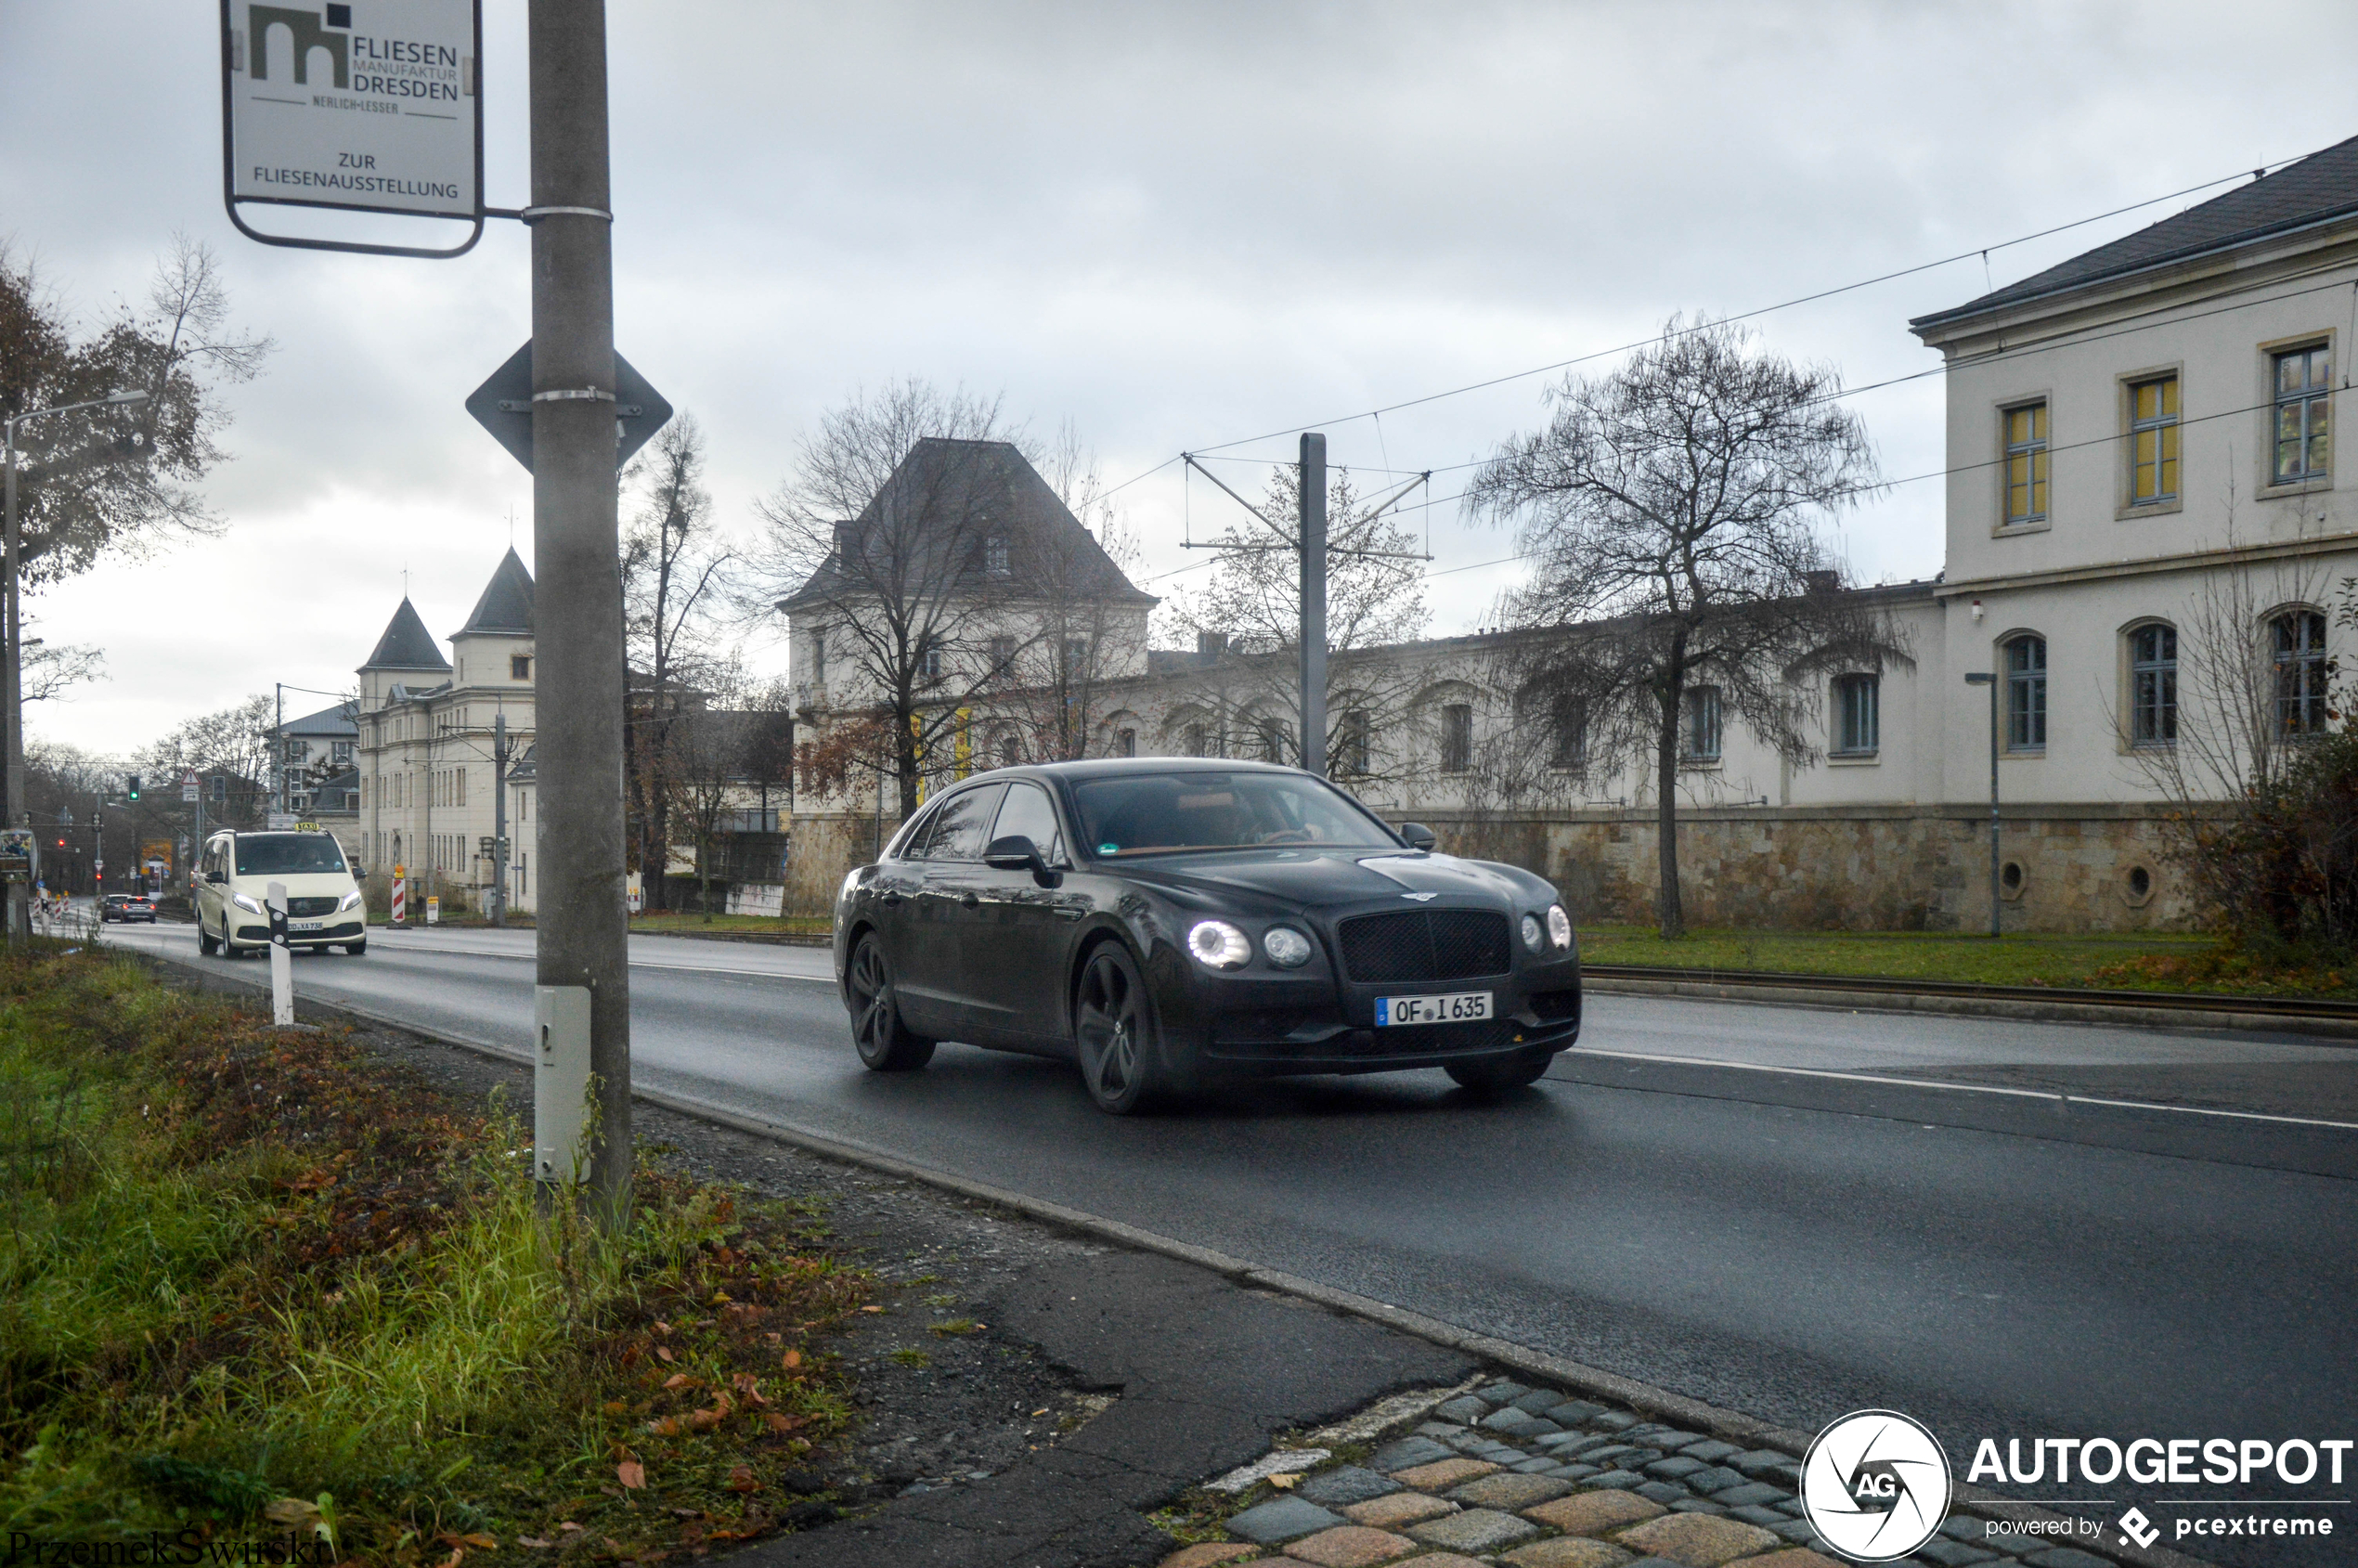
(1169, 922)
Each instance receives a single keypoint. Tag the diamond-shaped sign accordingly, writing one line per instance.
(502, 405)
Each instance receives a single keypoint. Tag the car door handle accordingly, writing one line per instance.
(1070, 911)
(970, 900)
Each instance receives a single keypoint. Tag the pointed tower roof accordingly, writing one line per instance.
(505, 608)
(407, 644)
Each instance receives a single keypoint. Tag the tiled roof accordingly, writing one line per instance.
(2318, 188)
(506, 604)
(332, 723)
(956, 496)
(407, 644)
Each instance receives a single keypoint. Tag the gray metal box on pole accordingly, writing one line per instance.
(582, 927)
(1314, 603)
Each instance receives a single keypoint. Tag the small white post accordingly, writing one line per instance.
(282, 960)
(560, 1083)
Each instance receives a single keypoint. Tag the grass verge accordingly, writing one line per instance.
(254, 1285)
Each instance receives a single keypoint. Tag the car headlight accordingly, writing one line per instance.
(851, 880)
(1287, 948)
(244, 903)
(1558, 926)
(1218, 945)
(1531, 935)
(350, 900)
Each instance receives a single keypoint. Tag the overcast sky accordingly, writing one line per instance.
(1175, 226)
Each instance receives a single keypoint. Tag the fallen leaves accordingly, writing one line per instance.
(791, 1360)
(631, 1473)
(741, 1479)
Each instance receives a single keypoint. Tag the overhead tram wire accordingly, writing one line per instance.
(1747, 316)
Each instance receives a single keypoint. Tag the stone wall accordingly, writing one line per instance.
(1852, 868)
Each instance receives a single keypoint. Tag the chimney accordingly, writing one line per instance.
(1823, 582)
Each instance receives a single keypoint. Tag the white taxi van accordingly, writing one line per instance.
(233, 880)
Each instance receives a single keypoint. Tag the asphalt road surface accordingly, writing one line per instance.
(1756, 1206)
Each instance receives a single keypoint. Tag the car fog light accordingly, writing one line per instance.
(1287, 948)
(1531, 935)
(1218, 945)
(1558, 926)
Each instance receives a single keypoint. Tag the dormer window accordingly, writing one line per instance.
(994, 556)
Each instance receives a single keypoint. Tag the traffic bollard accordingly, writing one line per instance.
(281, 960)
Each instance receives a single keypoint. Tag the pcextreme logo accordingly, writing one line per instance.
(1875, 1484)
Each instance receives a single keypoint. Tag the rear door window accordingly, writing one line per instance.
(963, 829)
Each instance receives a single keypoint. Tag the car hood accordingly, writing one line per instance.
(300, 885)
(1300, 878)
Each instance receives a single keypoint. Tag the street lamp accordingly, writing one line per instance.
(1990, 679)
(12, 810)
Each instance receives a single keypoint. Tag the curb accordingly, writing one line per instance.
(2151, 1016)
(1645, 1398)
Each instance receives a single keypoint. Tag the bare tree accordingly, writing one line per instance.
(903, 540)
(236, 745)
(677, 572)
(52, 669)
(1083, 627)
(1249, 618)
(721, 756)
(1677, 498)
(120, 480)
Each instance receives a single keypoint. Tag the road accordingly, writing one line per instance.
(1744, 1203)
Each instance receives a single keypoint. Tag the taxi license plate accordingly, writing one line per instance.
(306, 925)
(1463, 1006)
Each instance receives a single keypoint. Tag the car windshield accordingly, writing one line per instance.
(1146, 814)
(280, 854)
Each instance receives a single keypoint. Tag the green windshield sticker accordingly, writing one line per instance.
(1109, 848)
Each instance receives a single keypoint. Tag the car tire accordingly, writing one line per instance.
(885, 1042)
(1114, 1032)
(353, 949)
(206, 944)
(1498, 1075)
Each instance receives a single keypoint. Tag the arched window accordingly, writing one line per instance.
(1457, 737)
(1568, 731)
(2298, 638)
(2027, 693)
(2152, 686)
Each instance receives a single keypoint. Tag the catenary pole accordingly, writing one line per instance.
(583, 995)
(499, 819)
(1314, 603)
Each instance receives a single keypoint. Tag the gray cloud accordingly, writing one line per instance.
(1175, 226)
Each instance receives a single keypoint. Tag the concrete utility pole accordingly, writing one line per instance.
(582, 999)
(1314, 603)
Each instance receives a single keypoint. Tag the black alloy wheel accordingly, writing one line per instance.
(1496, 1075)
(206, 944)
(885, 1045)
(1114, 1024)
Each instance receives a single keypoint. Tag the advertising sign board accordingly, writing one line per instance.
(370, 106)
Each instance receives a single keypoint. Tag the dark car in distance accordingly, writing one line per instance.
(127, 907)
(1171, 923)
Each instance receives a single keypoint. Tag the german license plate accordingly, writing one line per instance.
(306, 925)
(1458, 1007)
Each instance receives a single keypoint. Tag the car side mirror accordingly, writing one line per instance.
(1016, 853)
(216, 877)
(1419, 835)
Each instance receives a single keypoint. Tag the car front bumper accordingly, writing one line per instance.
(1256, 1024)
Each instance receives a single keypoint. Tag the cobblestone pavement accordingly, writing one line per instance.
(1527, 1477)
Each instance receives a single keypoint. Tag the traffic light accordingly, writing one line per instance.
(134, 782)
